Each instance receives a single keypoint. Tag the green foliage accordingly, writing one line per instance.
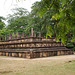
(18, 24)
(70, 45)
(18, 20)
(17, 13)
(39, 24)
(49, 31)
(2, 24)
(63, 14)
(5, 31)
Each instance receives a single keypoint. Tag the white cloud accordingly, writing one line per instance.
(7, 5)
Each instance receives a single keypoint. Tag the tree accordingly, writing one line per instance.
(17, 12)
(34, 20)
(63, 14)
(2, 24)
(18, 20)
(38, 23)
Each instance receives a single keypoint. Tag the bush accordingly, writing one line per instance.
(70, 45)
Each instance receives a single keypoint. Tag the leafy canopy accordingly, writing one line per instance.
(63, 13)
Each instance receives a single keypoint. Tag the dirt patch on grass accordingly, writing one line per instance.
(4, 72)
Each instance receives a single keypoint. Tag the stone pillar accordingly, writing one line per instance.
(34, 34)
(18, 35)
(22, 35)
(6, 53)
(14, 36)
(12, 54)
(58, 53)
(26, 36)
(31, 32)
(30, 35)
(20, 54)
(5, 37)
(28, 55)
(10, 37)
(31, 53)
(41, 54)
(24, 55)
(39, 34)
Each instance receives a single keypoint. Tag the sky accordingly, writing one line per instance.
(7, 5)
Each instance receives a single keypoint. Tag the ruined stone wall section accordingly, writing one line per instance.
(29, 42)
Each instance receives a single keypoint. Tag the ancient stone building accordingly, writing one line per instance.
(32, 47)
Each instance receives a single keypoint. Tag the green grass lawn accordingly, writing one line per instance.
(58, 65)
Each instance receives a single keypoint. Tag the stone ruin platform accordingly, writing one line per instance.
(32, 47)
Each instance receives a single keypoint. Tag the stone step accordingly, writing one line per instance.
(37, 49)
(31, 47)
(28, 42)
